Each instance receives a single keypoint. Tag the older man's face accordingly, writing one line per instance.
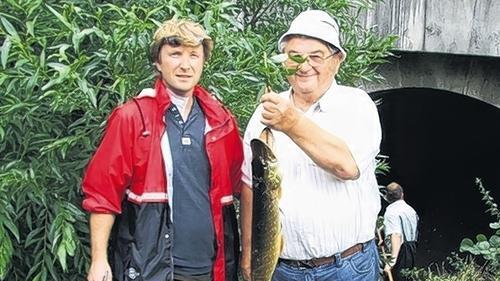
(312, 78)
(181, 67)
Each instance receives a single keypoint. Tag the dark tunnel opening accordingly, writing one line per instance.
(438, 142)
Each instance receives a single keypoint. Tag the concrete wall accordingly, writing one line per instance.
(447, 26)
(474, 76)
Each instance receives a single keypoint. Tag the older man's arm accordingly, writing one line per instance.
(326, 150)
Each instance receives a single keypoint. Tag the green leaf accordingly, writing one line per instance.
(290, 71)
(33, 237)
(78, 36)
(60, 17)
(12, 228)
(59, 67)
(466, 245)
(6, 251)
(9, 28)
(206, 21)
(495, 225)
(30, 27)
(495, 241)
(5, 52)
(481, 238)
(484, 245)
(83, 85)
(61, 256)
(298, 58)
(233, 21)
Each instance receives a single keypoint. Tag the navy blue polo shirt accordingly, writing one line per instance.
(193, 229)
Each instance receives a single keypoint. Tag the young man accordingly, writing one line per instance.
(326, 140)
(400, 228)
(161, 182)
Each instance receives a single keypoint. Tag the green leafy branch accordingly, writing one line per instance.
(488, 248)
(274, 68)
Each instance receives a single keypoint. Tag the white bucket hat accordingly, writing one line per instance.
(315, 24)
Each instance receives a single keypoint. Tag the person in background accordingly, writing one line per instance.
(400, 228)
(326, 137)
(162, 180)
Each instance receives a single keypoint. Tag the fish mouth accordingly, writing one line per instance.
(259, 147)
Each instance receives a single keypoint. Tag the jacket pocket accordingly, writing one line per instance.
(231, 242)
(142, 248)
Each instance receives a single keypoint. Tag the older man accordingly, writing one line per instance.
(326, 139)
(164, 174)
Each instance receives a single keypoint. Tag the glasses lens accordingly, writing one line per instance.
(315, 60)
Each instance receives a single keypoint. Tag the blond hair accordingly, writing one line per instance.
(187, 32)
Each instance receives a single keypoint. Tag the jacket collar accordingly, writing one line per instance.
(214, 111)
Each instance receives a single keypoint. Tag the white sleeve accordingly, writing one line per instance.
(365, 134)
(246, 167)
(392, 224)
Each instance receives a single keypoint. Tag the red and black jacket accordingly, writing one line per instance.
(127, 176)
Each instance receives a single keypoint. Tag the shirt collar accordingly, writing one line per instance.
(325, 101)
(397, 203)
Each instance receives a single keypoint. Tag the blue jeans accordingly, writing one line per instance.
(362, 266)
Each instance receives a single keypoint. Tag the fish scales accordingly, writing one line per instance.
(266, 225)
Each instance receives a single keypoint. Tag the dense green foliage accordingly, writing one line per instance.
(456, 269)
(65, 64)
(487, 248)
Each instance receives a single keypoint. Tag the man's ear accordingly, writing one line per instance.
(157, 65)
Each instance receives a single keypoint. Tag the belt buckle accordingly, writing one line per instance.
(308, 263)
(312, 263)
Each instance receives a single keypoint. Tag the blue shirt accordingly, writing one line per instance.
(193, 229)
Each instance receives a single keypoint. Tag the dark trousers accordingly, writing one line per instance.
(406, 260)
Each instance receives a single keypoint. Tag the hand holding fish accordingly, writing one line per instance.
(245, 266)
(279, 113)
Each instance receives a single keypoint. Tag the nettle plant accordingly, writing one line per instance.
(488, 248)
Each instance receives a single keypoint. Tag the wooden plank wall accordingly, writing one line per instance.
(445, 26)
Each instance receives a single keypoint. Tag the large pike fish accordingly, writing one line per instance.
(266, 227)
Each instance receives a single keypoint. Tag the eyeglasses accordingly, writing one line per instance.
(174, 41)
(314, 60)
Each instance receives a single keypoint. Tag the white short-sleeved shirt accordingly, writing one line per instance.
(400, 216)
(322, 215)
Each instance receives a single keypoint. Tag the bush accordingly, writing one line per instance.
(487, 248)
(65, 64)
(467, 270)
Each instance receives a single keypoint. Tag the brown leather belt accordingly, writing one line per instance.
(326, 260)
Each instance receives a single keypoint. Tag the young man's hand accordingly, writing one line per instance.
(100, 271)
